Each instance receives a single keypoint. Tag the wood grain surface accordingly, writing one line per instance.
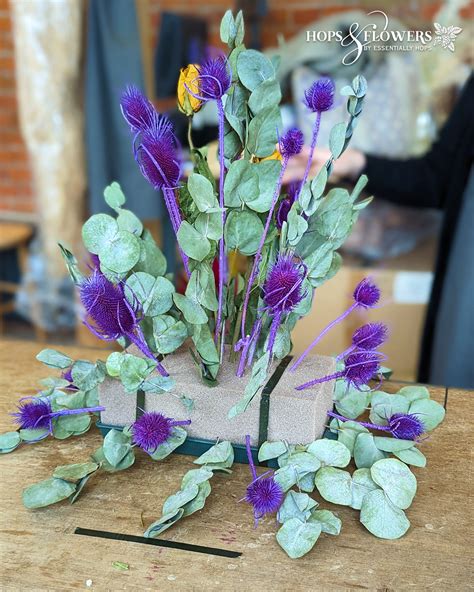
(39, 550)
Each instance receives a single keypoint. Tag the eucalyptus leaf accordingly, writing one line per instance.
(121, 253)
(397, 481)
(348, 432)
(334, 485)
(384, 405)
(75, 472)
(414, 393)
(179, 499)
(47, 492)
(209, 225)
(9, 441)
(201, 287)
(75, 424)
(262, 131)
(155, 295)
(392, 444)
(296, 505)
(270, 450)
(159, 526)
(411, 456)
(54, 359)
(192, 311)
(337, 139)
(254, 68)
(256, 382)
(381, 517)
(297, 538)
(116, 446)
(86, 375)
(177, 437)
(242, 232)
(330, 523)
(330, 452)
(196, 477)
(127, 220)
(362, 483)
(114, 196)
(197, 503)
(98, 232)
(151, 259)
(34, 435)
(169, 333)
(221, 453)
(366, 452)
(429, 412)
(202, 192)
(267, 94)
(193, 243)
(134, 370)
(286, 477)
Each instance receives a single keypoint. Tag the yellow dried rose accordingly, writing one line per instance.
(273, 156)
(188, 104)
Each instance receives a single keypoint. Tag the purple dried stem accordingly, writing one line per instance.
(248, 345)
(273, 331)
(176, 220)
(264, 493)
(404, 426)
(250, 457)
(314, 139)
(219, 329)
(360, 369)
(258, 254)
(295, 365)
(366, 295)
(37, 413)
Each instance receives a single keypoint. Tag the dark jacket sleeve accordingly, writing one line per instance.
(423, 182)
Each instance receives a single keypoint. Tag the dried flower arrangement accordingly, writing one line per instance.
(291, 240)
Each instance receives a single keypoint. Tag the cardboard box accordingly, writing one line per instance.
(405, 283)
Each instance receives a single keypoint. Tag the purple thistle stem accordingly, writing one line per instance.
(295, 365)
(218, 331)
(250, 457)
(62, 412)
(366, 295)
(360, 369)
(273, 331)
(365, 424)
(176, 219)
(314, 139)
(258, 254)
(248, 345)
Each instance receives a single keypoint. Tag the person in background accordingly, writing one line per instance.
(444, 179)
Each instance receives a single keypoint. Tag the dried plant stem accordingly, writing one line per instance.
(258, 254)
(314, 139)
(219, 321)
(176, 219)
(321, 335)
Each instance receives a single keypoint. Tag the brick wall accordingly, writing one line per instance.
(284, 16)
(15, 181)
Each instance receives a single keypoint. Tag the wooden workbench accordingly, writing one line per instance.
(39, 550)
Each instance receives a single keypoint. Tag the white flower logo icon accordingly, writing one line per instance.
(446, 36)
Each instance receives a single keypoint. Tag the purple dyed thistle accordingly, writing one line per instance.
(214, 81)
(318, 98)
(360, 368)
(320, 95)
(291, 144)
(368, 337)
(366, 295)
(137, 110)
(157, 151)
(282, 291)
(153, 429)
(37, 413)
(264, 494)
(114, 317)
(286, 203)
(405, 426)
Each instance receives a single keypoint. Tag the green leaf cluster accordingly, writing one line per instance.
(195, 488)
